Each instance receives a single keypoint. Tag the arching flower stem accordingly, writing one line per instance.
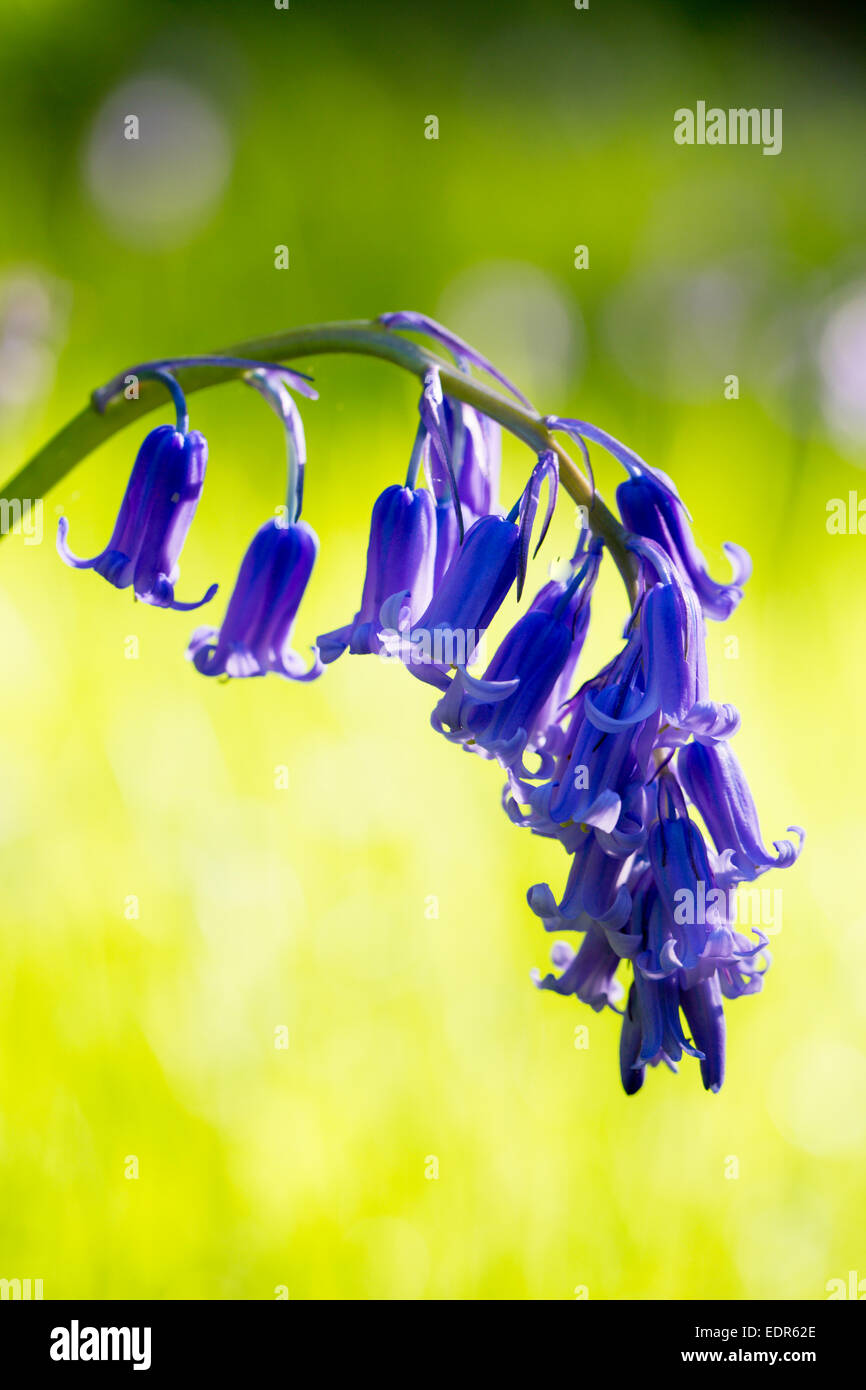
(104, 418)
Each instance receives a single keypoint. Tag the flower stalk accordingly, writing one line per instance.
(365, 337)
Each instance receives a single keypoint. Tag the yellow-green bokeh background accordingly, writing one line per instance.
(413, 1036)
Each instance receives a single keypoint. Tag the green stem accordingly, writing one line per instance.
(91, 428)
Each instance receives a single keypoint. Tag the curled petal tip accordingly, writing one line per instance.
(741, 562)
(65, 553)
(541, 900)
(710, 720)
(291, 665)
(610, 723)
(333, 644)
(181, 607)
(395, 613)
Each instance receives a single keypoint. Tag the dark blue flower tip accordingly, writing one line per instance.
(400, 562)
(631, 1070)
(657, 1010)
(256, 633)
(704, 1014)
(714, 780)
(650, 507)
(155, 515)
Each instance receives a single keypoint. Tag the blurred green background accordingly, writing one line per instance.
(413, 1036)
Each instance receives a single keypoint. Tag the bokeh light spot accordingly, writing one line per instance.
(159, 188)
(517, 314)
(842, 361)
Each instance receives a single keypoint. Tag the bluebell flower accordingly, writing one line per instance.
(596, 890)
(577, 591)
(683, 877)
(650, 506)
(474, 444)
(673, 668)
(712, 776)
(682, 965)
(588, 973)
(507, 711)
(663, 1037)
(652, 1033)
(470, 594)
(256, 632)
(652, 1030)
(596, 766)
(465, 445)
(400, 557)
(630, 1069)
(701, 1004)
(628, 877)
(644, 887)
(490, 559)
(743, 973)
(527, 804)
(155, 515)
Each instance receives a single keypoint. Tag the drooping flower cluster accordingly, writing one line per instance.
(638, 742)
(614, 767)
